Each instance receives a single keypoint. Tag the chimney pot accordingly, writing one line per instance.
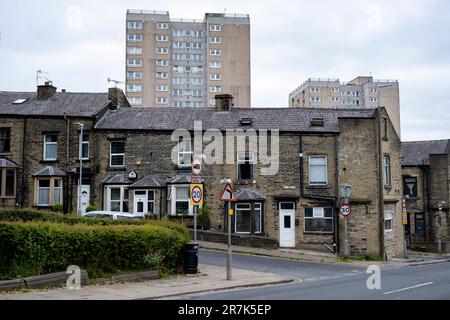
(63, 90)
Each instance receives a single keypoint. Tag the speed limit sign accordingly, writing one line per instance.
(345, 210)
(196, 194)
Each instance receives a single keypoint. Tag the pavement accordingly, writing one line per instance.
(413, 258)
(210, 278)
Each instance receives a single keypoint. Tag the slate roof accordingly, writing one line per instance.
(417, 152)
(247, 194)
(49, 171)
(118, 178)
(73, 104)
(181, 178)
(6, 163)
(284, 119)
(149, 182)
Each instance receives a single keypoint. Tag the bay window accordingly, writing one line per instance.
(116, 198)
(179, 200)
(7, 182)
(49, 191)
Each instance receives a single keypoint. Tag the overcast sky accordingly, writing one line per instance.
(82, 43)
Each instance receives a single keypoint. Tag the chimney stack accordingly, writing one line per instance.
(224, 102)
(45, 91)
(118, 98)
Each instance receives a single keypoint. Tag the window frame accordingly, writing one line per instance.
(162, 25)
(318, 217)
(191, 152)
(46, 143)
(111, 154)
(135, 37)
(3, 183)
(215, 27)
(51, 191)
(249, 209)
(122, 200)
(7, 140)
(388, 216)
(386, 170)
(239, 162)
(315, 183)
(83, 143)
(172, 196)
(407, 196)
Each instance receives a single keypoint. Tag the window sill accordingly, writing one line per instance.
(318, 186)
(6, 153)
(117, 169)
(389, 187)
(7, 198)
(245, 182)
(49, 161)
(84, 160)
(318, 233)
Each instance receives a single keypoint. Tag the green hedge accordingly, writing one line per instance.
(27, 215)
(33, 248)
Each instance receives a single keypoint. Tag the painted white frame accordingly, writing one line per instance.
(116, 154)
(313, 183)
(317, 215)
(46, 143)
(236, 213)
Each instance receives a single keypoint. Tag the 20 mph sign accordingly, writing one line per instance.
(196, 194)
(345, 210)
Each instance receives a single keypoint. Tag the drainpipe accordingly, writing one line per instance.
(337, 247)
(67, 202)
(380, 185)
(160, 203)
(22, 187)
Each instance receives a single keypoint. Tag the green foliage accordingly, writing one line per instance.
(90, 208)
(38, 247)
(203, 217)
(57, 207)
(368, 257)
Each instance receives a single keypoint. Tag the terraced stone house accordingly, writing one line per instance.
(128, 166)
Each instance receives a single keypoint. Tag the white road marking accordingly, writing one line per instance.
(408, 288)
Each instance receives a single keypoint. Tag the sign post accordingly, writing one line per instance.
(345, 210)
(228, 195)
(404, 222)
(196, 190)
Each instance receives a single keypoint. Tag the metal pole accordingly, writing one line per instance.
(195, 224)
(229, 257)
(346, 239)
(81, 168)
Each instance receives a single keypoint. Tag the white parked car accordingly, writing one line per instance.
(114, 215)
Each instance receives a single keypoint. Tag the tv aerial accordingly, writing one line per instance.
(115, 82)
(39, 75)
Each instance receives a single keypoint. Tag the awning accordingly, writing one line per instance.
(49, 171)
(181, 178)
(148, 182)
(118, 178)
(6, 163)
(247, 194)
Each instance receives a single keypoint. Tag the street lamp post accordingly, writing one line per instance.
(80, 155)
(440, 205)
(346, 191)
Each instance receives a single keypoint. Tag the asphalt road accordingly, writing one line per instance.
(315, 281)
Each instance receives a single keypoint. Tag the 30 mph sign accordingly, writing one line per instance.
(196, 194)
(345, 210)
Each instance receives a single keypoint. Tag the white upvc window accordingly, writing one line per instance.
(162, 75)
(134, 37)
(134, 50)
(178, 69)
(335, 99)
(318, 170)
(185, 153)
(318, 220)
(116, 198)
(245, 163)
(197, 93)
(162, 25)
(134, 25)
(178, 104)
(179, 56)
(215, 40)
(242, 221)
(134, 88)
(177, 92)
(161, 37)
(135, 101)
(162, 87)
(161, 100)
(50, 146)
(197, 45)
(215, 76)
(388, 221)
(215, 27)
(212, 102)
(196, 57)
(48, 191)
(162, 63)
(179, 200)
(314, 89)
(134, 75)
(134, 62)
(198, 104)
(178, 33)
(387, 170)
(117, 154)
(197, 80)
(334, 89)
(373, 90)
(162, 50)
(85, 146)
(314, 99)
(215, 64)
(215, 89)
(373, 99)
(215, 52)
(258, 217)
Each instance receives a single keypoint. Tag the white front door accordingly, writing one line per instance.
(140, 201)
(287, 224)
(85, 193)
